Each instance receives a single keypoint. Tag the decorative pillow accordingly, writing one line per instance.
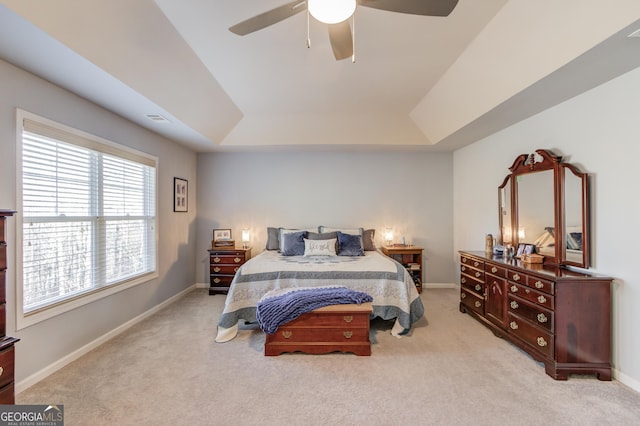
(351, 231)
(320, 247)
(350, 245)
(292, 243)
(273, 242)
(368, 241)
(282, 231)
(325, 236)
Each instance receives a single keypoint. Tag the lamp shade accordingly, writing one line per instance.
(331, 11)
(245, 235)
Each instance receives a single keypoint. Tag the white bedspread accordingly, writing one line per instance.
(392, 288)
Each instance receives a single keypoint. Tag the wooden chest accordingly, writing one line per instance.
(335, 328)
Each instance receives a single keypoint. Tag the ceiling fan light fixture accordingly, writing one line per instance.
(331, 11)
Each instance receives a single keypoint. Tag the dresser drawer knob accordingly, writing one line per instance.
(347, 318)
(477, 304)
(287, 334)
(542, 318)
(539, 284)
(513, 325)
(216, 269)
(237, 260)
(542, 342)
(463, 295)
(478, 274)
(478, 287)
(476, 264)
(347, 334)
(516, 277)
(514, 289)
(463, 280)
(464, 268)
(464, 260)
(236, 269)
(1, 371)
(216, 259)
(542, 299)
(494, 269)
(216, 280)
(514, 304)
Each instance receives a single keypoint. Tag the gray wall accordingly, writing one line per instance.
(598, 131)
(408, 191)
(48, 342)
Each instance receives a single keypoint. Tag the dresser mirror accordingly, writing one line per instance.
(540, 196)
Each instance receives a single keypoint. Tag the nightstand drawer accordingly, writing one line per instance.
(221, 280)
(226, 258)
(7, 363)
(224, 269)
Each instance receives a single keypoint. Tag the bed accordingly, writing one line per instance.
(387, 281)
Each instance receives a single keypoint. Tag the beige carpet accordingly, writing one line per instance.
(168, 370)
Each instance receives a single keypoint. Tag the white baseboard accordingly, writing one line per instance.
(52, 368)
(626, 380)
(438, 285)
(202, 285)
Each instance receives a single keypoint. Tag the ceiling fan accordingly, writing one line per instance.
(340, 33)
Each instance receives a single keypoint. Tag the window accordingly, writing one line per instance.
(88, 210)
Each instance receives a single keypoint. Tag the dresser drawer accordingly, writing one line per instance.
(539, 339)
(3, 287)
(516, 277)
(3, 256)
(7, 363)
(539, 284)
(224, 269)
(474, 263)
(471, 284)
(472, 301)
(471, 272)
(531, 312)
(531, 295)
(496, 270)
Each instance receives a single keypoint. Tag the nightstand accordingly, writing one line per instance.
(411, 258)
(224, 262)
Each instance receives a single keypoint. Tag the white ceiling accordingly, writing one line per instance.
(418, 82)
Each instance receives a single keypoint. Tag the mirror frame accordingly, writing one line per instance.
(526, 164)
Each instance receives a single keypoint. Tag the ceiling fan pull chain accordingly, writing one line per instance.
(353, 38)
(308, 36)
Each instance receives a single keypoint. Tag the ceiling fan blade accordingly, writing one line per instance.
(341, 40)
(268, 18)
(413, 7)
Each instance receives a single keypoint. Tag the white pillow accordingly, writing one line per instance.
(320, 247)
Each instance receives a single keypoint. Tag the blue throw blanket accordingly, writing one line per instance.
(273, 311)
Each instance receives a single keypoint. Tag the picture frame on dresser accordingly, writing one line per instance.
(221, 234)
(180, 195)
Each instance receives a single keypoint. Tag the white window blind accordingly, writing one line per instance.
(88, 215)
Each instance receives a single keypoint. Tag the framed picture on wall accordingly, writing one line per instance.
(180, 195)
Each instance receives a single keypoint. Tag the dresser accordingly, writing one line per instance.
(335, 328)
(7, 350)
(223, 265)
(560, 317)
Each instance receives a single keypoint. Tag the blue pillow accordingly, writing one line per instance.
(350, 245)
(292, 243)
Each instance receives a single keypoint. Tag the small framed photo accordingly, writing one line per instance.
(521, 248)
(529, 249)
(221, 234)
(180, 195)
